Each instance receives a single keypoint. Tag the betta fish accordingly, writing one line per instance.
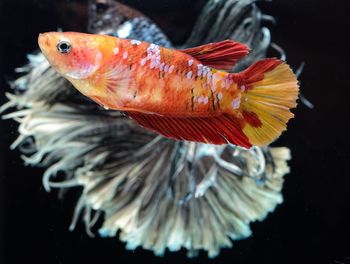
(183, 94)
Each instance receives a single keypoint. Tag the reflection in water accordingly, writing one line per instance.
(157, 192)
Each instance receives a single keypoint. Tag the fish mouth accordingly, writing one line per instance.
(47, 44)
(44, 41)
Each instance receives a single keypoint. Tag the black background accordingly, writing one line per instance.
(311, 226)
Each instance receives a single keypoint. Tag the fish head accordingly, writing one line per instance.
(80, 58)
(73, 55)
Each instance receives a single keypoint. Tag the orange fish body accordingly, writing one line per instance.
(181, 94)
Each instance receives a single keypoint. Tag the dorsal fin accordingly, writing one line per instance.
(221, 55)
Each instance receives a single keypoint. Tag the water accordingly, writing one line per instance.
(312, 223)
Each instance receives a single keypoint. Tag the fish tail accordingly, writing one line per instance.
(269, 89)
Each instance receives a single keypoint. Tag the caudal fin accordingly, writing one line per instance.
(270, 90)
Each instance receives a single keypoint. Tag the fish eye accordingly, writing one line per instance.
(63, 46)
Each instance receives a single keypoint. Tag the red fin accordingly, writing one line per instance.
(220, 55)
(256, 72)
(221, 129)
(269, 90)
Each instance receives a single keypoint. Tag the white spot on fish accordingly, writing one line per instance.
(115, 50)
(189, 75)
(206, 72)
(161, 67)
(243, 88)
(154, 46)
(125, 54)
(190, 63)
(220, 95)
(166, 67)
(124, 30)
(153, 54)
(199, 70)
(226, 83)
(105, 107)
(143, 61)
(202, 99)
(236, 102)
(135, 42)
(157, 64)
(209, 78)
(215, 79)
(171, 68)
(223, 84)
(98, 57)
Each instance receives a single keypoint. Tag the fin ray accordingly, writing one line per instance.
(271, 90)
(221, 129)
(221, 55)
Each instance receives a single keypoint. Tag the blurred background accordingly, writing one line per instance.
(311, 226)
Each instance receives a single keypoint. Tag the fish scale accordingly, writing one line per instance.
(174, 72)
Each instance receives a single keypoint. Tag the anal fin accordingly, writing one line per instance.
(220, 129)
